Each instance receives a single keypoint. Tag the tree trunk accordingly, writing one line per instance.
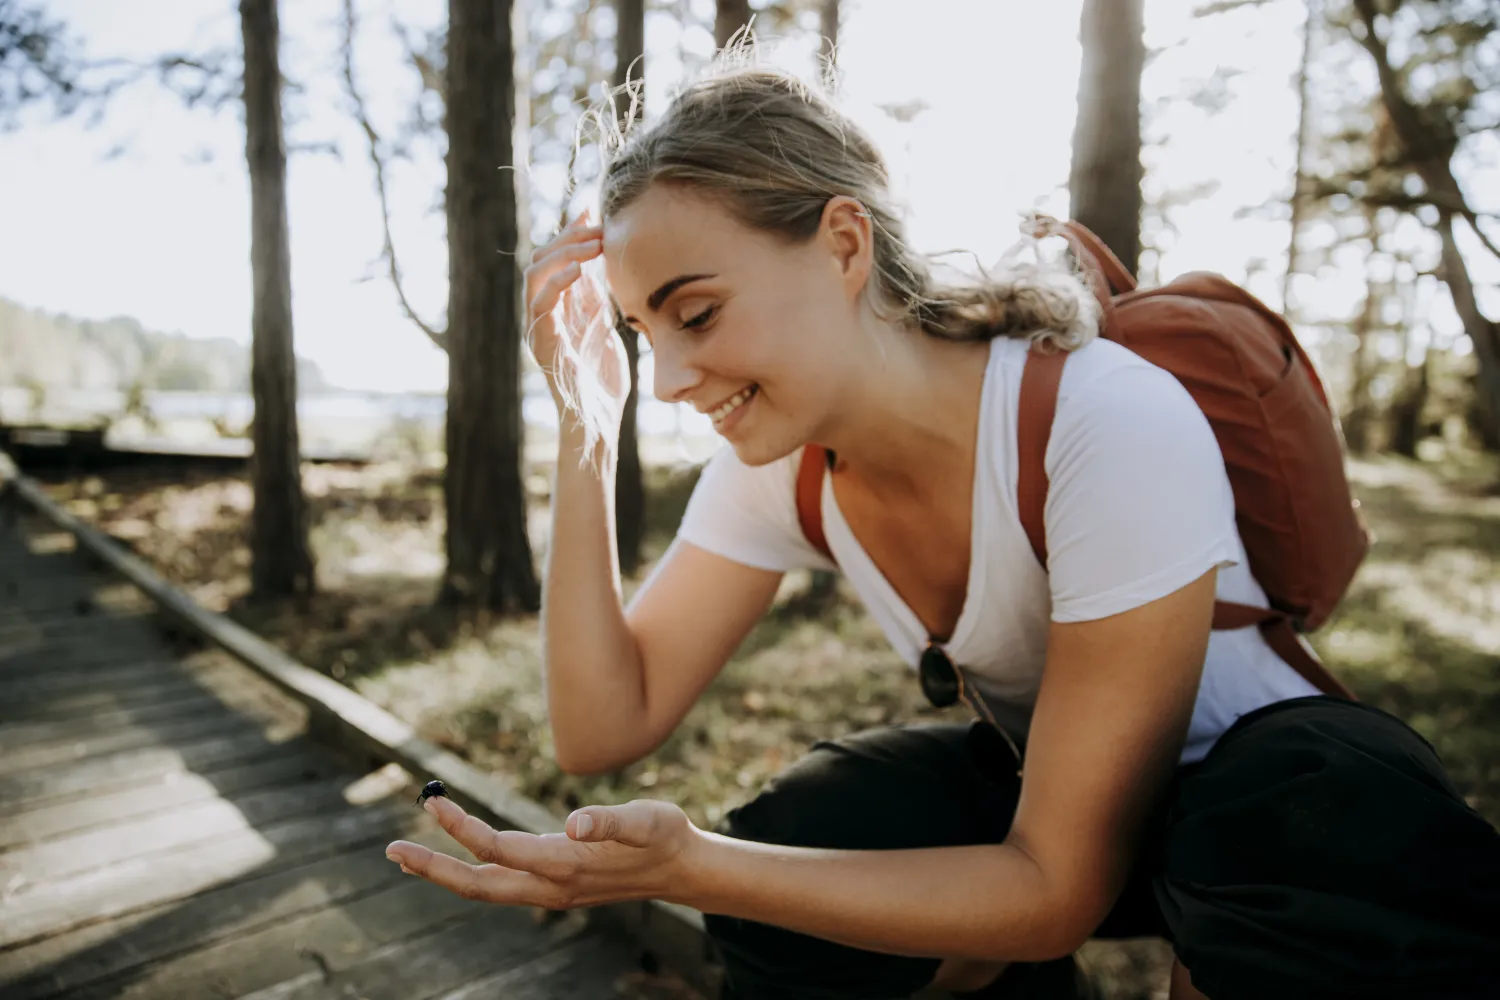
(1483, 333)
(1407, 408)
(729, 16)
(1405, 427)
(280, 560)
(1484, 425)
(1313, 23)
(1430, 152)
(490, 565)
(630, 489)
(1105, 180)
(828, 27)
(823, 586)
(1361, 416)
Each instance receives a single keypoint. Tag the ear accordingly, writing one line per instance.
(849, 234)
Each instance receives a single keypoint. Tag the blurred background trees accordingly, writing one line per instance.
(1104, 185)
(629, 82)
(281, 563)
(1393, 104)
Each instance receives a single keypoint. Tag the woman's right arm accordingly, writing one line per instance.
(618, 681)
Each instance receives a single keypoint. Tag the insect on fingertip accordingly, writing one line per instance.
(433, 789)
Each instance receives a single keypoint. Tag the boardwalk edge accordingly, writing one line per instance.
(673, 935)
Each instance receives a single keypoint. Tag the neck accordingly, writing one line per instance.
(909, 413)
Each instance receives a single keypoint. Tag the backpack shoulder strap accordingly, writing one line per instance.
(810, 496)
(1040, 377)
(1282, 638)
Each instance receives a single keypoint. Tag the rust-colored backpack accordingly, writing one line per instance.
(1281, 444)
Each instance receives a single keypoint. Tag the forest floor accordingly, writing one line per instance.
(1418, 635)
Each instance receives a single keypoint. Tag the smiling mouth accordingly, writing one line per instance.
(720, 413)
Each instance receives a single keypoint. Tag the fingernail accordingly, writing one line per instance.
(394, 857)
(585, 825)
(407, 870)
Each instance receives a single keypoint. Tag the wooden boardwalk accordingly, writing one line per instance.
(169, 830)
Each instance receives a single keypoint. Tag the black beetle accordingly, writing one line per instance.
(433, 787)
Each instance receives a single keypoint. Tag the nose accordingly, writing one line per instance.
(672, 378)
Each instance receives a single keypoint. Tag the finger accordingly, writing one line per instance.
(575, 233)
(634, 823)
(558, 256)
(553, 856)
(546, 297)
(484, 883)
(470, 831)
(544, 268)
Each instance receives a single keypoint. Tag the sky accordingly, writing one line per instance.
(147, 214)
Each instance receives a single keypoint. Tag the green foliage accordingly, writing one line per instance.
(1445, 55)
(37, 61)
(44, 350)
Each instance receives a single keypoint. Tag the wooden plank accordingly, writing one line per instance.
(62, 621)
(70, 703)
(107, 949)
(175, 828)
(175, 732)
(214, 672)
(107, 597)
(136, 768)
(142, 620)
(362, 724)
(117, 889)
(489, 939)
(357, 726)
(106, 719)
(94, 646)
(375, 949)
(48, 672)
(590, 967)
(176, 788)
(29, 673)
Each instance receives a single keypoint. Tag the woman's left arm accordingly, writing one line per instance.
(1106, 734)
(1108, 727)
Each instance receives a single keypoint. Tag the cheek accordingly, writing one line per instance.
(802, 319)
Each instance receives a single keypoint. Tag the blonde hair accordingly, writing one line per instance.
(773, 150)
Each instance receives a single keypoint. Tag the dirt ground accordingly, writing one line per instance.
(1419, 635)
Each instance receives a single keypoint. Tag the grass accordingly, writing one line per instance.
(1418, 635)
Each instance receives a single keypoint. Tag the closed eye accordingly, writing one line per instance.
(700, 319)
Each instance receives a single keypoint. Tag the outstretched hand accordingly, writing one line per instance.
(639, 850)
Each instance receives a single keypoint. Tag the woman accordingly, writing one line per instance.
(1141, 775)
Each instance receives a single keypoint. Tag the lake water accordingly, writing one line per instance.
(360, 413)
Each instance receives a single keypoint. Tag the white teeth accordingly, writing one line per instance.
(733, 403)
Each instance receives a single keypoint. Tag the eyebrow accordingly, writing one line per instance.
(654, 303)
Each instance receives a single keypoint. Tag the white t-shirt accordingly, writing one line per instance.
(1138, 505)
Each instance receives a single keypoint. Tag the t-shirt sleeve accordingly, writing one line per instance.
(749, 514)
(1139, 503)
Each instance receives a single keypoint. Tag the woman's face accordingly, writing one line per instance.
(743, 326)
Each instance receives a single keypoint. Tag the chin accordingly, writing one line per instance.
(757, 450)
